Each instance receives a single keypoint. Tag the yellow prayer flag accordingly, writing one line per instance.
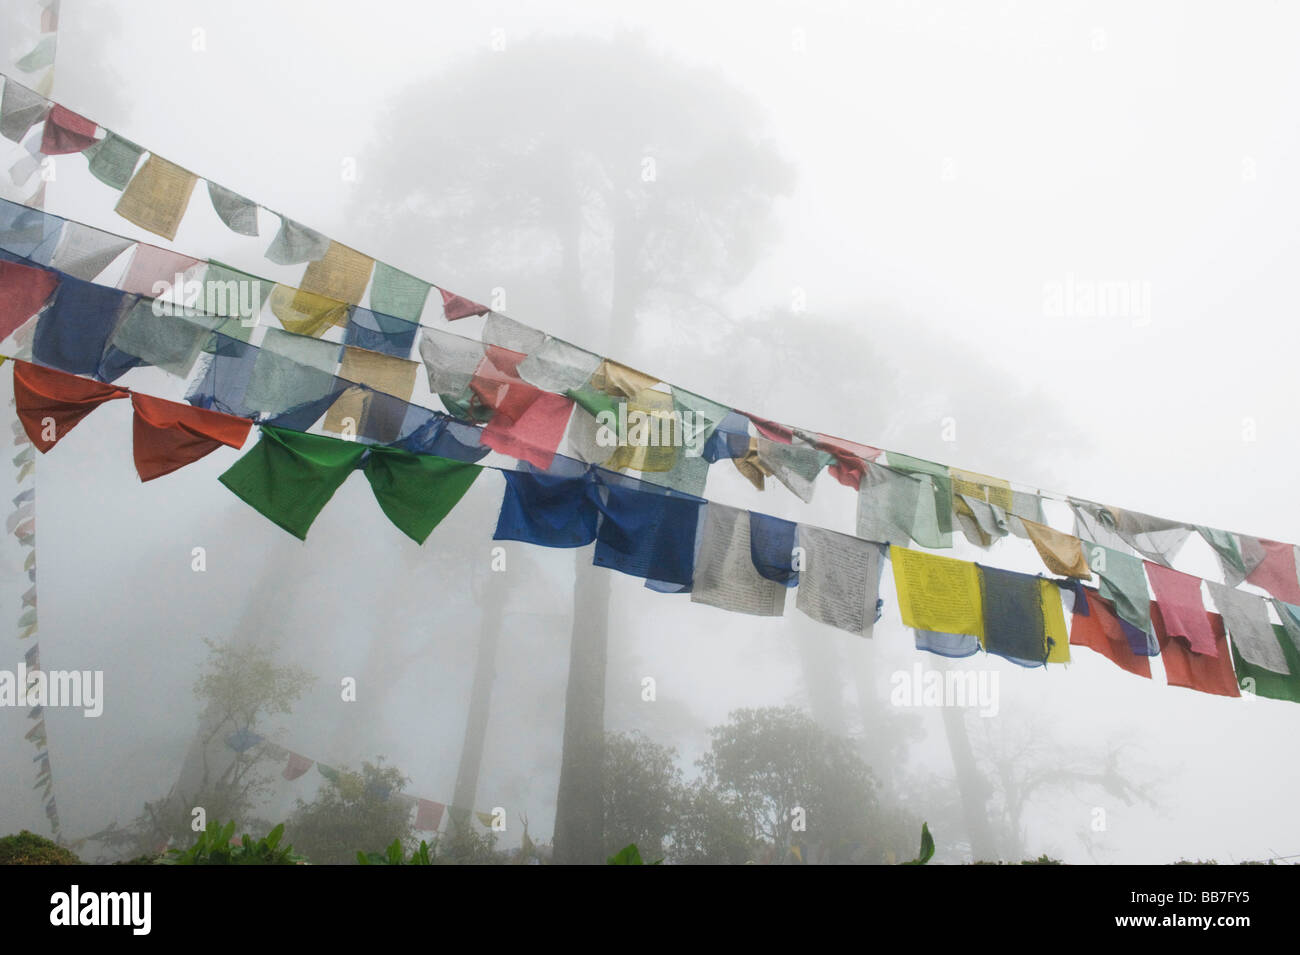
(305, 313)
(1062, 553)
(937, 593)
(383, 373)
(753, 470)
(620, 380)
(157, 197)
(973, 484)
(341, 274)
(1054, 623)
(651, 441)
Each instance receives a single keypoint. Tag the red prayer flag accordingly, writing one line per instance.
(454, 307)
(850, 458)
(1197, 671)
(496, 384)
(151, 265)
(23, 290)
(771, 429)
(535, 436)
(170, 434)
(50, 402)
(297, 765)
(429, 815)
(66, 132)
(1100, 630)
(1276, 573)
(1179, 598)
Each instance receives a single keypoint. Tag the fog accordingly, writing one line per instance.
(855, 218)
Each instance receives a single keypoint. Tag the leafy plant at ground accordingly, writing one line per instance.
(927, 847)
(352, 809)
(393, 855)
(27, 848)
(630, 855)
(213, 847)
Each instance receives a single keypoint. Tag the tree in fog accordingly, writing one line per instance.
(592, 181)
(353, 812)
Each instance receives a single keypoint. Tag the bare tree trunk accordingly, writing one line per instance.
(970, 784)
(480, 700)
(579, 818)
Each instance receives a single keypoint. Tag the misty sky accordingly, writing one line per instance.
(954, 164)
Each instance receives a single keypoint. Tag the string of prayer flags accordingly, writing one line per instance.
(887, 501)
(839, 583)
(547, 510)
(396, 293)
(157, 197)
(1013, 625)
(113, 160)
(289, 477)
(51, 403)
(1204, 672)
(341, 274)
(297, 766)
(66, 132)
(20, 110)
(168, 435)
(1062, 553)
(725, 576)
(932, 525)
(647, 534)
(26, 289)
(455, 307)
(294, 244)
(938, 593)
(772, 543)
(1276, 570)
(1095, 625)
(84, 252)
(1182, 611)
(1246, 617)
(1124, 584)
(238, 213)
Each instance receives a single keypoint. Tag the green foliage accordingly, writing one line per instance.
(711, 829)
(1042, 860)
(629, 855)
(213, 847)
(27, 848)
(393, 855)
(773, 761)
(352, 809)
(641, 788)
(927, 847)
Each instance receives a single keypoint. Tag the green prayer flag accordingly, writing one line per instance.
(289, 477)
(113, 160)
(933, 523)
(1266, 683)
(1123, 582)
(393, 292)
(417, 491)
